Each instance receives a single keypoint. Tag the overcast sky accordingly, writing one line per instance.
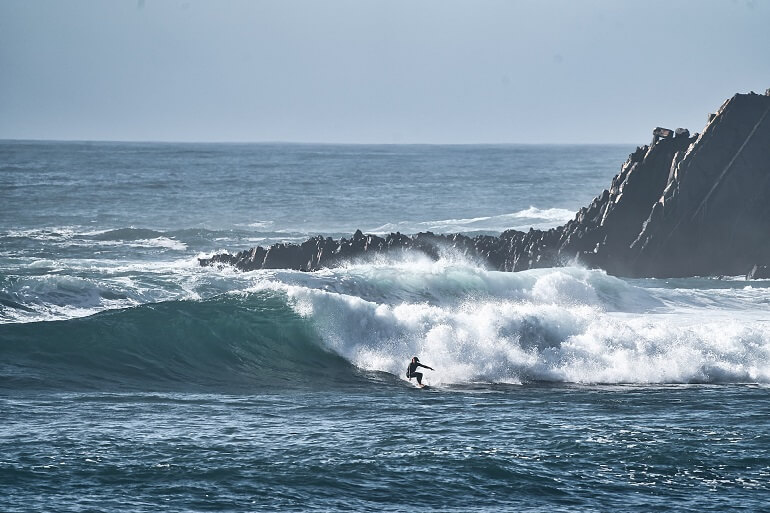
(412, 71)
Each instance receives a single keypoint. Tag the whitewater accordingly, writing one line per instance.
(133, 379)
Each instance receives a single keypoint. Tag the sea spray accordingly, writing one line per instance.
(505, 341)
(562, 325)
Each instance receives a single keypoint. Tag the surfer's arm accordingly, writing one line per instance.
(421, 365)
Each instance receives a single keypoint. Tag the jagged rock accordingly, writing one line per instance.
(759, 272)
(682, 206)
(713, 215)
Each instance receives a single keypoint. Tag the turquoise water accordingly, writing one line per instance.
(133, 380)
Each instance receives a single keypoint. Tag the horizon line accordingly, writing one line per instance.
(317, 143)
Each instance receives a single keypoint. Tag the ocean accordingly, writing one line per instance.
(132, 379)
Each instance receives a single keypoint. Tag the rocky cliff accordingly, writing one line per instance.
(681, 206)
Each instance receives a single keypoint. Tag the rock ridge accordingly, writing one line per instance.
(681, 206)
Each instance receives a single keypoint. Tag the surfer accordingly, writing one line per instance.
(411, 371)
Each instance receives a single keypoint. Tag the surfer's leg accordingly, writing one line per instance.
(418, 375)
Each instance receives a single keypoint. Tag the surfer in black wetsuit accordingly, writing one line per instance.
(411, 371)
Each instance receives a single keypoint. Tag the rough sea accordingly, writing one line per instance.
(133, 380)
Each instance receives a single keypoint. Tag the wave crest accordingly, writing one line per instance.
(282, 328)
(559, 325)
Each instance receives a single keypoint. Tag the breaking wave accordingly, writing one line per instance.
(362, 323)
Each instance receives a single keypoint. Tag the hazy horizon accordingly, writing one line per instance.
(373, 72)
(321, 143)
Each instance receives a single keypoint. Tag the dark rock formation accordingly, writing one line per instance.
(759, 272)
(682, 206)
(713, 215)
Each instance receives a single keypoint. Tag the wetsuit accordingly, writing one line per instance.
(411, 371)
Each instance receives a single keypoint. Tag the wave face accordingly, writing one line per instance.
(228, 342)
(365, 321)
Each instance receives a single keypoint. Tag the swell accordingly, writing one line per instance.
(287, 328)
(228, 342)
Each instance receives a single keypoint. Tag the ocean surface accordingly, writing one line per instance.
(131, 379)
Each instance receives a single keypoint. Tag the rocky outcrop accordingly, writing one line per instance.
(511, 251)
(713, 216)
(602, 234)
(759, 272)
(681, 206)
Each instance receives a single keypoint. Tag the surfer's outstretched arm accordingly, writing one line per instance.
(421, 365)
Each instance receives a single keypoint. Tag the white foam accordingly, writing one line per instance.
(80, 287)
(72, 236)
(454, 279)
(563, 325)
(44, 264)
(261, 224)
(531, 217)
(559, 215)
(53, 233)
(56, 297)
(161, 242)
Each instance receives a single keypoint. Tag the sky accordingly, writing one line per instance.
(370, 71)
